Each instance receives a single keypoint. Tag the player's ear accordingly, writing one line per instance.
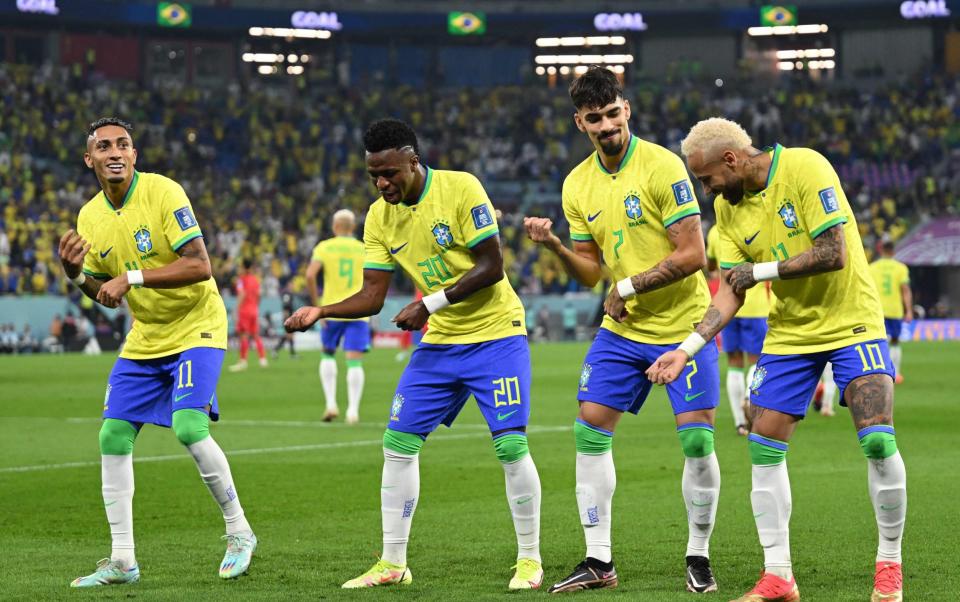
(88, 160)
(135, 156)
(579, 122)
(730, 159)
(626, 110)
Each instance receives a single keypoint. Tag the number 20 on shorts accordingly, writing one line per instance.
(507, 392)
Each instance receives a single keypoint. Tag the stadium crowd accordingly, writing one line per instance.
(265, 174)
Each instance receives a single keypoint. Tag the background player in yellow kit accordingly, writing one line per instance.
(892, 278)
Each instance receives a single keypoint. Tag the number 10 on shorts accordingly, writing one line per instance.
(507, 392)
(873, 354)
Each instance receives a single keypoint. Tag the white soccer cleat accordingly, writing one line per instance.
(263, 362)
(352, 419)
(239, 366)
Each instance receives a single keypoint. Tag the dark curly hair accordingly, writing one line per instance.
(104, 121)
(595, 89)
(389, 133)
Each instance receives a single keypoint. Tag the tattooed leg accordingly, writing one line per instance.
(870, 399)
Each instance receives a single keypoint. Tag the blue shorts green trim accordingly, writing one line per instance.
(744, 334)
(355, 335)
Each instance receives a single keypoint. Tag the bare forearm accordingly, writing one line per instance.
(674, 267)
(91, 286)
(182, 272)
(828, 254)
(581, 269)
(361, 305)
(479, 277)
(724, 306)
(312, 290)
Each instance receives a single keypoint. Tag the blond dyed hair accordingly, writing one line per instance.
(344, 215)
(713, 136)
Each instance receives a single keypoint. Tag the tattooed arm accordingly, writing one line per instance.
(688, 257)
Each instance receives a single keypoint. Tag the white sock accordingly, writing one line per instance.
(116, 473)
(829, 388)
(896, 354)
(701, 491)
(355, 378)
(887, 480)
(772, 503)
(736, 389)
(399, 491)
(215, 472)
(523, 496)
(328, 378)
(596, 482)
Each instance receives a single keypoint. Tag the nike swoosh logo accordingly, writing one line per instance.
(883, 507)
(105, 253)
(758, 514)
(388, 487)
(177, 398)
(750, 240)
(590, 218)
(524, 500)
(688, 397)
(105, 504)
(395, 250)
(507, 415)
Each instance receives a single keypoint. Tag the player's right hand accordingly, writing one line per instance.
(539, 231)
(668, 367)
(303, 319)
(72, 251)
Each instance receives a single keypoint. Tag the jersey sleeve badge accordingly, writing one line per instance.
(828, 198)
(682, 193)
(185, 218)
(481, 217)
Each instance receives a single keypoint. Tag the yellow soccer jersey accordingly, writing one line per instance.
(889, 275)
(758, 300)
(431, 241)
(154, 221)
(626, 213)
(803, 197)
(342, 259)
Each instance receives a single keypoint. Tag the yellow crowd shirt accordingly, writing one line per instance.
(342, 261)
(889, 275)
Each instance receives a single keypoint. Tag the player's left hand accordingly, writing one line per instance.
(668, 367)
(112, 292)
(741, 278)
(615, 306)
(412, 317)
(303, 319)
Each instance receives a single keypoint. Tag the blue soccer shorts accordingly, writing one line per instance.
(614, 375)
(894, 327)
(440, 378)
(152, 390)
(355, 335)
(744, 334)
(786, 383)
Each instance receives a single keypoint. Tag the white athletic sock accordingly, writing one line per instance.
(399, 491)
(772, 503)
(736, 389)
(887, 480)
(829, 388)
(896, 354)
(701, 491)
(596, 482)
(523, 496)
(355, 378)
(328, 378)
(116, 473)
(215, 472)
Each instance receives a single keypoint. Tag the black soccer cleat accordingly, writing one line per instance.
(589, 574)
(699, 576)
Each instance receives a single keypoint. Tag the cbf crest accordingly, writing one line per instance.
(442, 234)
(632, 206)
(758, 375)
(142, 237)
(789, 215)
(585, 376)
(395, 407)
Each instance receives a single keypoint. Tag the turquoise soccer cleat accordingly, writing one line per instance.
(240, 549)
(109, 572)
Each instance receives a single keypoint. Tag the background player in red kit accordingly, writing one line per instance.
(248, 315)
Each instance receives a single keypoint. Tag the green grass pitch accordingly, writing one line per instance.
(311, 491)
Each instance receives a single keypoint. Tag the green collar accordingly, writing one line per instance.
(426, 188)
(126, 197)
(774, 162)
(631, 146)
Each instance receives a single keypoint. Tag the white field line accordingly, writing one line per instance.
(284, 423)
(272, 450)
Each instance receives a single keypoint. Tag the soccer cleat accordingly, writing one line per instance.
(239, 366)
(699, 576)
(585, 576)
(898, 379)
(263, 362)
(827, 410)
(352, 419)
(382, 573)
(771, 588)
(529, 574)
(236, 561)
(887, 583)
(331, 415)
(109, 572)
(743, 430)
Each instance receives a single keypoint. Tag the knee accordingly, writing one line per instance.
(696, 439)
(878, 442)
(511, 447)
(406, 444)
(191, 426)
(117, 437)
(591, 440)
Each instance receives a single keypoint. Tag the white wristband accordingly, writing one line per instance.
(625, 288)
(766, 271)
(135, 277)
(436, 301)
(79, 280)
(692, 344)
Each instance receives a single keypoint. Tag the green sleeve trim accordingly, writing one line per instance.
(383, 267)
(837, 220)
(580, 237)
(176, 246)
(95, 274)
(679, 216)
(482, 237)
(729, 266)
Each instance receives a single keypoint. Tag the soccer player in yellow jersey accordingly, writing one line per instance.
(743, 336)
(893, 283)
(340, 260)
(631, 207)
(783, 218)
(440, 228)
(138, 240)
